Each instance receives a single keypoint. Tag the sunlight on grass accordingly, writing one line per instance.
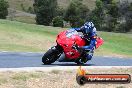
(116, 43)
(17, 36)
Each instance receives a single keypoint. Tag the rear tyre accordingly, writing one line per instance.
(50, 57)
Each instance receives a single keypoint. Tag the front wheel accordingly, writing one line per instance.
(50, 57)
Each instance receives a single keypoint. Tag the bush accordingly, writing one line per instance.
(58, 21)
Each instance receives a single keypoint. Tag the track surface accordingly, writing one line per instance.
(19, 60)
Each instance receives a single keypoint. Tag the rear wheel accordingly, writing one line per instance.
(50, 57)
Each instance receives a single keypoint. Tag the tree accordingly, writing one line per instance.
(76, 13)
(113, 15)
(45, 11)
(97, 15)
(125, 21)
(3, 9)
(128, 19)
(113, 9)
(60, 11)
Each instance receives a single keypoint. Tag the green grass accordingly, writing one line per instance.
(25, 19)
(116, 43)
(17, 36)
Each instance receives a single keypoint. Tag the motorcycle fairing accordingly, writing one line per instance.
(67, 39)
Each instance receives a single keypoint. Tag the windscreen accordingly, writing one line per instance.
(71, 32)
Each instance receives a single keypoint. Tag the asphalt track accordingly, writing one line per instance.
(20, 60)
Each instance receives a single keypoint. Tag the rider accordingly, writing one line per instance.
(90, 35)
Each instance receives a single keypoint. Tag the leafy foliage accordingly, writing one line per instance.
(125, 10)
(58, 21)
(108, 15)
(112, 16)
(3, 9)
(45, 11)
(97, 15)
(76, 13)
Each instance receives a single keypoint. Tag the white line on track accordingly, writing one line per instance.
(47, 69)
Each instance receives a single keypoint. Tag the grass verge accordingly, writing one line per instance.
(23, 37)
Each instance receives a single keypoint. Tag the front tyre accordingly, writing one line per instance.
(50, 57)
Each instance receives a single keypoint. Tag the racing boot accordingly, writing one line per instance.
(89, 55)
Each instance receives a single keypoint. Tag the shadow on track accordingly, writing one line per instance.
(68, 65)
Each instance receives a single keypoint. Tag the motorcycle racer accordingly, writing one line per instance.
(74, 47)
(90, 35)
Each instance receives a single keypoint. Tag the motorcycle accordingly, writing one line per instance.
(67, 48)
